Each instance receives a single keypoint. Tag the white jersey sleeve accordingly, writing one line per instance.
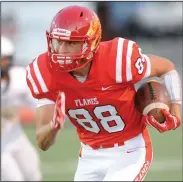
(44, 101)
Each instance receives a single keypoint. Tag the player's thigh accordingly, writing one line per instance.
(10, 170)
(89, 167)
(131, 166)
(28, 159)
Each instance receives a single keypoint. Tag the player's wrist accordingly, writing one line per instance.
(178, 122)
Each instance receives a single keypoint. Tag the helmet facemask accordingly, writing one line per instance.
(69, 61)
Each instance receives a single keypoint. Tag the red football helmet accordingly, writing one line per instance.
(74, 23)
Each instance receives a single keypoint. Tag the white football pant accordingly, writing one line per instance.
(129, 162)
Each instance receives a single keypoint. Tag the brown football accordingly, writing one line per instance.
(150, 98)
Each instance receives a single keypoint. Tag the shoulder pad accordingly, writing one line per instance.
(39, 76)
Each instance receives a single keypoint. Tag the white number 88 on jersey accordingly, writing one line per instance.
(104, 120)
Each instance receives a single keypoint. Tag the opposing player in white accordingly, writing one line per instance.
(19, 159)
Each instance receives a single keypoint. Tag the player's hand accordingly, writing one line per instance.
(171, 122)
(59, 112)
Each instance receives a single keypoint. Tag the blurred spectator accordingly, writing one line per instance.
(19, 159)
(116, 18)
(160, 18)
(131, 19)
(9, 24)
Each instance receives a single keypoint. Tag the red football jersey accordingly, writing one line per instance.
(102, 107)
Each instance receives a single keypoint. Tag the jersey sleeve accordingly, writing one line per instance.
(140, 65)
(39, 79)
(130, 64)
(44, 101)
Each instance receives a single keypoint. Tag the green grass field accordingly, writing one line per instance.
(60, 161)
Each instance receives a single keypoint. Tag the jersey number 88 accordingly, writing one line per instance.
(104, 120)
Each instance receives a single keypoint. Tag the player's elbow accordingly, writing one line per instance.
(170, 65)
(42, 140)
(160, 65)
(45, 136)
(165, 65)
(43, 148)
(42, 144)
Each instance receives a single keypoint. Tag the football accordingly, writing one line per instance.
(150, 98)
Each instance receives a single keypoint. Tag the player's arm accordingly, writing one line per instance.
(166, 70)
(49, 119)
(145, 66)
(45, 133)
(51, 108)
(137, 66)
(133, 66)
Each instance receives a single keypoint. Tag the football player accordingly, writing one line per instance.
(19, 159)
(92, 82)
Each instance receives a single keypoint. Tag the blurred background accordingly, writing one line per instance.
(156, 26)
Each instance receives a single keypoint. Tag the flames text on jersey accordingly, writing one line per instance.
(85, 102)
